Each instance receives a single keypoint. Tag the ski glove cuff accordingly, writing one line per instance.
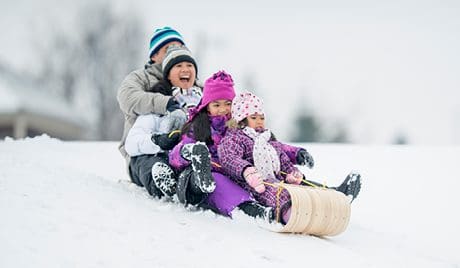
(172, 105)
(187, 97)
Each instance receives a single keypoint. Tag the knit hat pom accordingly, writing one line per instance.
(221, 75)
(218, 87)
(246, 104)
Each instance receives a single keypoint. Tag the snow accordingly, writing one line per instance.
(70, 204)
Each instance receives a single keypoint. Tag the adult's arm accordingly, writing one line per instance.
(134, 100)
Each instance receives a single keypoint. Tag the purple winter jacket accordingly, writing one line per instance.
(218, 129)
(236, 149)
(227, 195)
(235, 154)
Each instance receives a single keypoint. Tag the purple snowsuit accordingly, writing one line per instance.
(227, 194)
(236, 153)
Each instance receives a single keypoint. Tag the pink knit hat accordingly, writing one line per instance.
(245, 104)
(218, 87)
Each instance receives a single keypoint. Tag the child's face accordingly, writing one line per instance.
(256, 121)
(182, 75)
(219, 107)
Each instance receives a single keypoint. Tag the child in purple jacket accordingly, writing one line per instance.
(201, 181)
(251, 155)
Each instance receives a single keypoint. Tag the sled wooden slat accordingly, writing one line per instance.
(317, 211)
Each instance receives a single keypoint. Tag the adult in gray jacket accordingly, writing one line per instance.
(134, 95)
(153, 135)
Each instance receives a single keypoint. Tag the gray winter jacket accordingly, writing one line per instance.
(134, 100)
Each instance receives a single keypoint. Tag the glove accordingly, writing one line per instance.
(304, 158)
(294, 177)
(172, 105)
(254, 179)
(187, 97)
(166, 141)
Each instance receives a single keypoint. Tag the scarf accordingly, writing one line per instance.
(266, 159)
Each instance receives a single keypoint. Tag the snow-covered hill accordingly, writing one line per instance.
(70, 204)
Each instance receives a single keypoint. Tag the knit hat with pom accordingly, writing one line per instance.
(218, 87)
(161, 37)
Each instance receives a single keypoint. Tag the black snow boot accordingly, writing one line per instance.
(350, 186)
(187, 192)
(164, 178)
(198, 154)
(258, 211)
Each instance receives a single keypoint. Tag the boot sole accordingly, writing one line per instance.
(201, 165)
(163, 177)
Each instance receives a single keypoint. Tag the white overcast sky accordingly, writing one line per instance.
(382, 67)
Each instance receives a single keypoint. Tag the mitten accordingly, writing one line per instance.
(166, 141)
(254, 179)
(172, 105)
(294, 177)
(304, 158)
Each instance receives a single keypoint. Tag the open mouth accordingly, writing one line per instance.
(184, 78)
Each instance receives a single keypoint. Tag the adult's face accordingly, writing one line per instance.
(160, 55)
(183, 75)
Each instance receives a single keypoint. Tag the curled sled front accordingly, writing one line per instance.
(316, 210)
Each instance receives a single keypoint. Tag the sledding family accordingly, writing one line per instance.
(206, 144)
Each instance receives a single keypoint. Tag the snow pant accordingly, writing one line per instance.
(279, 201)
(223, 200)
(140, 169)
(227, 196)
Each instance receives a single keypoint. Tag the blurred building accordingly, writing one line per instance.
(27, 111)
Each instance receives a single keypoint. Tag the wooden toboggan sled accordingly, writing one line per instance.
(316, 210)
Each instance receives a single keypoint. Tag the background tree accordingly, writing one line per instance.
(309, 127)
(87, 65)
(306, 127)
(400, 138)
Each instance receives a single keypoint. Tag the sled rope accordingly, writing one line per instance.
(278, 194)
(305, 181)
(215, 164)
(282, 172)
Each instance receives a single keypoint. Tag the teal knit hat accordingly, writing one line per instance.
(161, 37)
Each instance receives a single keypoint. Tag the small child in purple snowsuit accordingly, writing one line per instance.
(201, 181)
(251, 155)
